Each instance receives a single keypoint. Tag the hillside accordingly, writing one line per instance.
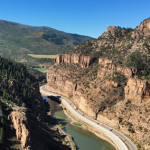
(24, 123)
(18, 40)
(109, 79)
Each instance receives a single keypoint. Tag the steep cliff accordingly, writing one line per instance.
(21, 125)
(115, 87)
(83, 61)
(137, 90)
(109, 68)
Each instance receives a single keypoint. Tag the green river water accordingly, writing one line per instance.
(84, 139)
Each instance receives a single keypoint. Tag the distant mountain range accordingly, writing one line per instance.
(18, 40)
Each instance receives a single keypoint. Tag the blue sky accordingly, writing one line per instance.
(85, 17)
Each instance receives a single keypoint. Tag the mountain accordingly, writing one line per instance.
(18, 40)
(109, 80)
(24, 123)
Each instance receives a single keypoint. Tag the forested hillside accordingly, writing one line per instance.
(16, 83)
(23, 113)
(17, 41)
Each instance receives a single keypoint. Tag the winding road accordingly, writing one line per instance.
(120, 140)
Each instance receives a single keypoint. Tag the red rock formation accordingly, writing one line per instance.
(84, 61)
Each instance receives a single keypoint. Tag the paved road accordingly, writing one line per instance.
(113, 134)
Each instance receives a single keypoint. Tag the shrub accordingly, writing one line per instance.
(140, 62)
(120, 119)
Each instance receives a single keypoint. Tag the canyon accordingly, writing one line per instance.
(111, 87)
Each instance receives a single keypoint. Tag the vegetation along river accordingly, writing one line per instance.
(84, 139)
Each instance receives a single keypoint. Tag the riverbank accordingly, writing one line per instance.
(89, 128)
(99, 134)
(68, 139)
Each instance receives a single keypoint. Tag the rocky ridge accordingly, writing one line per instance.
(109, 68)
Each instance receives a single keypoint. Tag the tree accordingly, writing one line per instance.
(1, 135)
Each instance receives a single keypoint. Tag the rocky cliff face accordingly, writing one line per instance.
(58, 82)
(137, 90)
(113, 89)
(20, 124)
(84, 61)
(109, 68)
(102, 98)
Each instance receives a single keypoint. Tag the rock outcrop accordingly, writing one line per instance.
(109, 68)
(144, 26)
(112, 29)
(137, 90)
(84, 61)
(20, 124)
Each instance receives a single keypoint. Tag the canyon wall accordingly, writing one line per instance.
(137, 90)
(108, 90)
(84, 61)
(127, 113)
(109, 68)
(59, 83)
(20, 124)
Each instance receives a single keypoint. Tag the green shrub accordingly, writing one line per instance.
(120, 119)
(140, 62)
(77, 124)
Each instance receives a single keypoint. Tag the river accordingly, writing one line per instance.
(84, 139)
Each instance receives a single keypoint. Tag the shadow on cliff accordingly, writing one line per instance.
(54, 102)
(11, 142)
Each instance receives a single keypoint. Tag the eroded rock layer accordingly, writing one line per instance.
(84, 61)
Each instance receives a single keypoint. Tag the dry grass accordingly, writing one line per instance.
(42, 56)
